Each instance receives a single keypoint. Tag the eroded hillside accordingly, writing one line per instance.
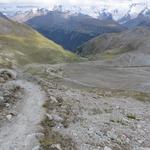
(131, 47)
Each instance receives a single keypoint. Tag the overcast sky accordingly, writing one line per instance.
(76, 2)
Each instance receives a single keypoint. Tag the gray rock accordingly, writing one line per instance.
(107, 148)
(2, 100)
(54, 117)
(142, 148)
(7, 104)
(53, 99)
(36, 148)
(2, 80)
(9, 117)
(6, 74)
(56, 146)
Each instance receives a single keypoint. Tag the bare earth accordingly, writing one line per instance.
(21, 133)
(89, 106)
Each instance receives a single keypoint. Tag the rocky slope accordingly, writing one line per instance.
(20, 44)
(88, 106)
(92, 105)
(142, 20)
(109, 46)
(71, 29)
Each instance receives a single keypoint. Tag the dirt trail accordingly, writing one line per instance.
(22, 132)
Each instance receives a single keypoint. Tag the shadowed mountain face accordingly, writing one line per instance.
(72, 30)
(3, 16)
(20, 44)
(140, 21)
(136, 41)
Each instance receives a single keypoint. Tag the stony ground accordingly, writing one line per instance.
(85, 117)
(21, 114)
(82, 112)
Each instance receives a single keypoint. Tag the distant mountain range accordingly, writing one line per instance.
(72, 26)
(119, 12)
(25, 16)
(71, 30)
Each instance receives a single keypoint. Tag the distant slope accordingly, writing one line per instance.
(140, 21)
(109, 46)
(72, 30)
(20, 44)
(3, 16)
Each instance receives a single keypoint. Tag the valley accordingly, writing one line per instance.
(71, 30)
(69, 81)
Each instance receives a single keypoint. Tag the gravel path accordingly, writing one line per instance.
(21, 133)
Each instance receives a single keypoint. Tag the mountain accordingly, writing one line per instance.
(11, 9)
(71, 29)
(131, 44)
(133, 11)
(25, 16)
(20, 44)
(143, 19)
(3, 16)
(122, 11)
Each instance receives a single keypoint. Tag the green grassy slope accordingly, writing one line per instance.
(20, 44)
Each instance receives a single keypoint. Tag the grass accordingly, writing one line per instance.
(116, 51)
(107, 55)
(51, 136)
(49, 123)
(28, 46)
(111, 54)
(25, 51)
(104, 92)
(119, 121)
(131, 116)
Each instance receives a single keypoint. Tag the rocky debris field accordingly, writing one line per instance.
(87, 121)
(10, 94)
(52, 111)
(87, 118)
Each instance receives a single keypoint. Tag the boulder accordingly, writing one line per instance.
(2, 100)
(7, 74)
(107, 148)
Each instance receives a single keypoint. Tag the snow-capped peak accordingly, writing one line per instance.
(121, 12)
(110, 11)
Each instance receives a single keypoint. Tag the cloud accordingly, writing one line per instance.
(77, 2)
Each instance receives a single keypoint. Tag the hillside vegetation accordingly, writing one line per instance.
(110, 45)
(20, 44)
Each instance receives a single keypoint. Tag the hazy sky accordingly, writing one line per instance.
(76, 2)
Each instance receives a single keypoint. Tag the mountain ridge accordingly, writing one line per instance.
(117, 12)
(71, 30)
(134, 41)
